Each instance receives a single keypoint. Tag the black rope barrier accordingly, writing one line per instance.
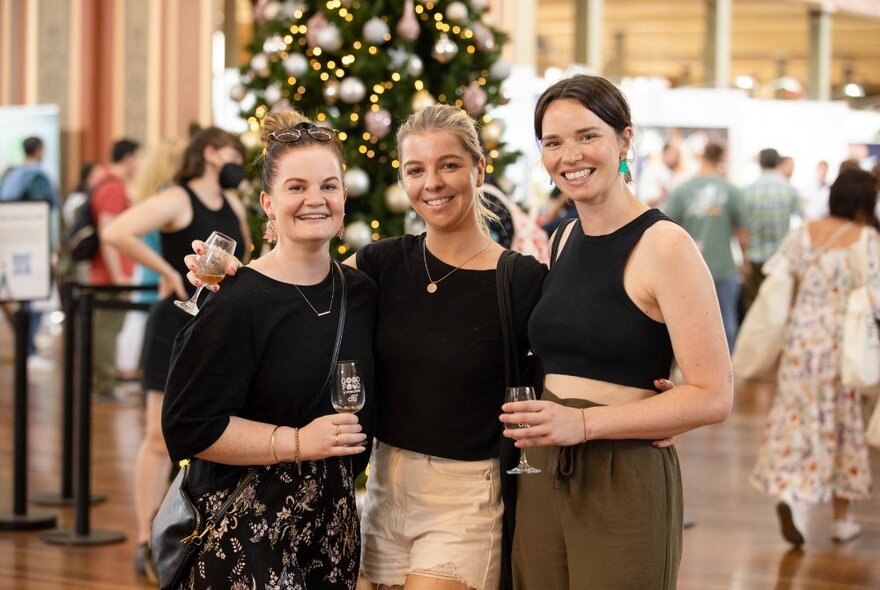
(82, 533)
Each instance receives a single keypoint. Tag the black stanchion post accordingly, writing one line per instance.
(82, 533)
(65, 498)
(19, 519)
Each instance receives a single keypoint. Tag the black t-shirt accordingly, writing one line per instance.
(439, 357)
(256, 350)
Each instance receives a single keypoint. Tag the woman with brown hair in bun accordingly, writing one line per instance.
(246, 386)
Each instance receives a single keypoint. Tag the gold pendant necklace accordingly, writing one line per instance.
(432, 284)
(332, 293)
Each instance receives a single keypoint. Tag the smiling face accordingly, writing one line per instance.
(580, 151)
(306, 198)
(440, 178)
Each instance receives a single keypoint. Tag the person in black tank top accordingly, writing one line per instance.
(626, 289)
(196, 206)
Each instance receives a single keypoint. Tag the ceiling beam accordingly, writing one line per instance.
(864, 8)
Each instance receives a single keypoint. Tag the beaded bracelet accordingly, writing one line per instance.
(296, 450)
(272, 444)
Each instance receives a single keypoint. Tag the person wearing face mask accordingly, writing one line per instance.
(200, 202)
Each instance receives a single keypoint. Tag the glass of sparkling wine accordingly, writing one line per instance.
(211, 267)
(520, 394)
(348, 393)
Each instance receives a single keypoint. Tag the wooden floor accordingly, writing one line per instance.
(735, 545)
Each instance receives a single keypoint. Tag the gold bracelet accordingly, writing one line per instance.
(296, 450)
(272, 444)
(584, 418)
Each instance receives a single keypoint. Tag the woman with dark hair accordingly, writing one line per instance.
(627, 291)
(198, 204)
(813, 450)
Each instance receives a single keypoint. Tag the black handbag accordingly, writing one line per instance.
(178, 529)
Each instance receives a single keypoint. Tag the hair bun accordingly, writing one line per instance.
(281, 120)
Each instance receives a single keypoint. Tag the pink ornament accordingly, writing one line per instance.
(408, 26)
(315, 26)
(474, 99)
(378, 123)
(483, 37)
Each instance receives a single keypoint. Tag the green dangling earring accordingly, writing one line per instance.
(623, 168)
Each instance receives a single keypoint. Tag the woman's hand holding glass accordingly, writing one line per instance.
(333, 435)
(554, 424)
(192, 263)
(210, 267)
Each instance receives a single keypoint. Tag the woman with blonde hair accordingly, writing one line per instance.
(432, 515)
(246, 386)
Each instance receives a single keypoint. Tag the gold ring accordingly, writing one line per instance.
(338, 432)
(337, 440)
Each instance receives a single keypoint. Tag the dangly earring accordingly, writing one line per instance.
(270, 234)
(341, 233)
(623, 167)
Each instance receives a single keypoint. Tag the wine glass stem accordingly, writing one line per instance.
(522, 459)
(195, 298)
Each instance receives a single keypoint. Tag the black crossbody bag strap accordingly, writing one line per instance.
(340, 328)
(504, 273)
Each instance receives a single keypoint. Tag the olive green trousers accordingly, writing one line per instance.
(606, 514)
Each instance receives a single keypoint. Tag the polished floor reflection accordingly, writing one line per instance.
(735, 545)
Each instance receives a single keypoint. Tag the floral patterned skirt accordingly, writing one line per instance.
(286, 531)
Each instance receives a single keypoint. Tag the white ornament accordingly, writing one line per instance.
(250, 139)
(329, 38)
(274, 44)
(358, 234)
(260, 64)
(375, 30)
(396, 199)
(357, 182)
(296, 64)
(272, 10)
(415, 67)
(444, 49)
(352, 90)
(491, 133)
(457, 12)
(237, 92)
(273, 93)
(499, 70)
(422, 100)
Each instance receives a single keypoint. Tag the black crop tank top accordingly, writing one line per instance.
(586, 325)
(176, 245)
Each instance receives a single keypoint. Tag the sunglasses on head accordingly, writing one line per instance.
(295, 134)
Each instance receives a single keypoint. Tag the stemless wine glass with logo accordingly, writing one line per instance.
(211, 267)
(348, 388)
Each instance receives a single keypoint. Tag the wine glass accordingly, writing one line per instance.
(520, 394)
(211, 267)
(348, 388)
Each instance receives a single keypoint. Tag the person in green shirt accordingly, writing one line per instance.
(712, 211)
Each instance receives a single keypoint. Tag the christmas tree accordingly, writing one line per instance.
(361, 67)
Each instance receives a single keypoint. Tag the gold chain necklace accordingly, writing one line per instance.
(432, 284)
(332, 293)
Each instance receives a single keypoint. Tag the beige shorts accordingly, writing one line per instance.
(432, 517)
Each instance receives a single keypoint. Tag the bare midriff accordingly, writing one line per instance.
(600, 392)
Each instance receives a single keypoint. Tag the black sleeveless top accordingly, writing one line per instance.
(176, 245)
(586, 325)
